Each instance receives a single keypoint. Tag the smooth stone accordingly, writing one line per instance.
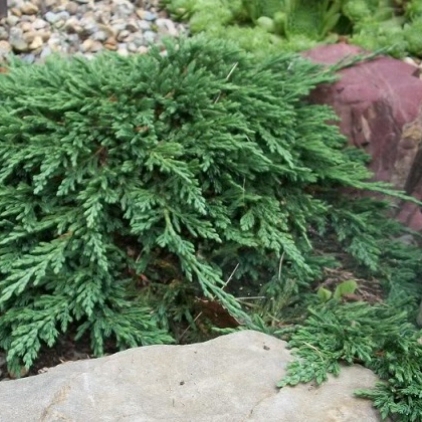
(91, 46)
(51, 17)
(55, 18)
(64, 15)
(4, 35)
(122, 35)
(39, 24)
(122, 50)
(138, 39)
(15, 3)
(111, 44)
(55, 42)
(149, 37)
(411, 61)
(72, 7)
(144, 25)
(88, 27)
(37, 43)
(28, 18)
(149, 16)
(118, 24)
(29, 36)
(5, 49)
(12, 20)
(45, 52)
(60, 23)
(45, 35)
(166, 27)
(51, 3)
(142, 49)
(16, 12)
(29, 8)
(124, 10)
(73, 26)
(73, 39)
(231, 378)
(99, 36)
(26, 26)
(132, 26)
(132, 47)
(107, 29)
(17, 41)
(28, 58)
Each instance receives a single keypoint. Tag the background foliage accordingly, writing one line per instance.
(264, 26)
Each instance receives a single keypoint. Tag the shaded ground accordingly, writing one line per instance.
(67, 349)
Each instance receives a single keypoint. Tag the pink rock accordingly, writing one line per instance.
(379, 103)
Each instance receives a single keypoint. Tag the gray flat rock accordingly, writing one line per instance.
(229, 379)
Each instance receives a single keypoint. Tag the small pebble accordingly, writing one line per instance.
(29, 36)
(148, 16)
(149, 37)
(111, 44)
(409, 60)
(122, 51)
(4, 35)
(51, 17)
(45, 35)
(39, 24)
(29, 8)
(5, 48)
(144, 25)
(123, 35)
(28, 58)
(26, 26)
(17, 40)
(15, 11)
(12, 20)
(72, 7)
(36, 43)
(132, 47)
(100, 36)
(166, 27)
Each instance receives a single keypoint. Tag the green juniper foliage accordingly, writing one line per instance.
(130, 186)
(378, 337)
(381, 337)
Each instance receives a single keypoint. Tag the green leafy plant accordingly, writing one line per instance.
(345, 288)
(296, 25)
(292, 18)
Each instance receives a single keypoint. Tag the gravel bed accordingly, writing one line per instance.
(35, 29)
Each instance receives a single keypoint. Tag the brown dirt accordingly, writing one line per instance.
(65, 350)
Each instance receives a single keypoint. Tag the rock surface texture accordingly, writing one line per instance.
(229, 379)
(379, 103)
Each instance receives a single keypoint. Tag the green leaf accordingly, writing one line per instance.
(345, 288)
(324, 294)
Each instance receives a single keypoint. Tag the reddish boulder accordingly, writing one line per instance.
(379, 103)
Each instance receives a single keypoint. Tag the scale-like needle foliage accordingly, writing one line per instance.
(131, 185)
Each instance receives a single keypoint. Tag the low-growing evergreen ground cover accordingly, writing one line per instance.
(168, 197)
